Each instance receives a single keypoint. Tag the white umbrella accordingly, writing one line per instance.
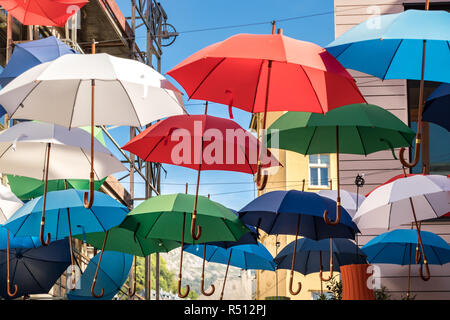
(9, 203)
(403, 201)
(92, 89)
(47, 151)
(349, 200)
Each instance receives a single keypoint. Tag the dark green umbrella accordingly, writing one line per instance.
(168, 217)
(127, 241)
(353, 129)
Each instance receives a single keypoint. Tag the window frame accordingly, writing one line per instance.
(318, 166)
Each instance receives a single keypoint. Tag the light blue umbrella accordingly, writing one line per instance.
(111, 276)
(397, 246)
(246, 256)
(411, 45)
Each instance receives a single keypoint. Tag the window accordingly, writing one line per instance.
(319, 166)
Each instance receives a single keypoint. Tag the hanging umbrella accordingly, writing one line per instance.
(409, 45)
(396, 247)
(437, 107)
(354, 129)
(207, 143)
(29, 54)
(310, 255)
(263, 73)
(33, 270)
(164, 217)
(127, 241)
(113, 274)
(26, 188)
(45, 151)
(66, 216)
(43, 12)
(296, 213)
(91, 89)
(403, 201)
(244, 256)
(9, 203)
(350, 201)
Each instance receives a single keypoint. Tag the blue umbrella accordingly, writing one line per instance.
(33, 270)
(246, 256)
(67, 215)
(311, 253)
(300, 213)
(112, 275)
(29, 54)
(412, 45)
(437, 107)
(395, 247)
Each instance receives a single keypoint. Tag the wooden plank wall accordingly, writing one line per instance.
(380, 166)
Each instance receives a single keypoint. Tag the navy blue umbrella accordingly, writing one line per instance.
(437, 107)
(297, 213)
(33, 270)
(311, 254)
(29, 54)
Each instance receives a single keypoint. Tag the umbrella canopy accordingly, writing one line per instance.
(43, 12)
(277, 212)
(113, 274)
(390, 46)
(437, 107)
(390, 205)
(127, 92)
(310, 255)
(350, 200)
(246, 256)
(394, 247)
(9, 203)
(34, 270)
(359, 128)
(259, 73)
(224, 144)
(127, 241)
(17, 242)
(24, 150)
(161, 218)
(104, 214)
(29, 54)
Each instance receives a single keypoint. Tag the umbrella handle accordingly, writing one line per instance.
(427, 269)
(261, 179)
(89, 197)
(45, 242)
(416, 154)
(44, 202)
(94, 281)
(202, 284)
(338, 216)
(182, 295)
(132, 293)
(195, 234)
(291, 280)
(8, 290)
(331, 274)
(331, 264)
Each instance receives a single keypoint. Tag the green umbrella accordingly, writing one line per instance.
(352, 129)
(26, 188)
(165, 216)
(127, 241)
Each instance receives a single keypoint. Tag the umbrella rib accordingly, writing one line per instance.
(392, 59)
(101, 224)
(32, 275)
(206, 77)
(310, 140)
(151, 228)
(362, 143)
(160, 140)
(26, 96)
(434, 211)
(315, 93)
(131, 102)
(57, 221)
(277, 214)
(404, 252)
(225, 222)
(401, 134)
(6, 150)
(257, 86)
(73, 106)
(89, 160)
(248, 161)
(379, 251)
(432, 248)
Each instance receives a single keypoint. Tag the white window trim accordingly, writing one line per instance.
(319, 165)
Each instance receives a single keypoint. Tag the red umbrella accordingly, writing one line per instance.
(263, 73)
(201, 142)
(43, 12)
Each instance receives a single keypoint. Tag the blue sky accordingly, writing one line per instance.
(229, 188)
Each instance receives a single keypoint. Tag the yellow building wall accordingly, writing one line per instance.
(287, 177)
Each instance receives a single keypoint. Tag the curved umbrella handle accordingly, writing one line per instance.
(291, 280)
(8, 290)
(195, 234)
(182, 295)
(94, 281)
(338, 216)
(202, 284)
(47, 162)
(331, 264)
(89, 197)
(261, 179)
(132, 293)
(416, 154)
(45, 242)
(427, 269)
